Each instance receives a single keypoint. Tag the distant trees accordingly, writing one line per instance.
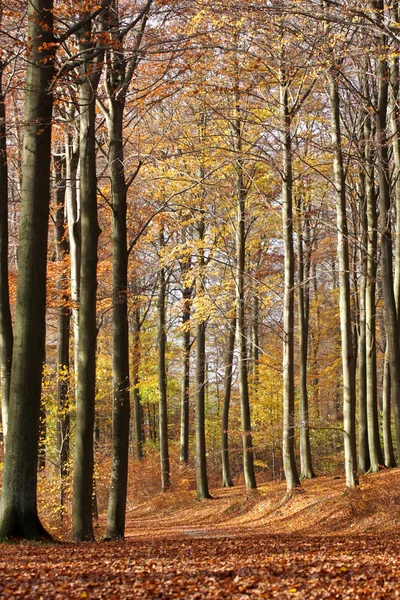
(213, 172)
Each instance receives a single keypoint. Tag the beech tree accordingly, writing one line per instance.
(18, 512)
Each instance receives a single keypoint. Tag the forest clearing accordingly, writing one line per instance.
(325, 542)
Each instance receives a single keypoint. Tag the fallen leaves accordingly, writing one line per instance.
(255, 566)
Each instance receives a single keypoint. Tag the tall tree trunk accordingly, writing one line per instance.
(201, 457)
(289, 462)
(374, 444)
(137, 405)
(306, 469)
(121, 383)
(348, 367)
(6, 333)
(82, 501)
(63, 332)
(391, 321)
(18, 513)
(226, 470)
(162, 373)
(186, 345)
(241, 193)
(74, 231)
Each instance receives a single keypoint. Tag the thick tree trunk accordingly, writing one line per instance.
(63, 333)
(226, 471)
(6, 333)
(289, 463)
(348, 366)
(18, 515)
(162, 374)
(82, 502)
(391, 322)
(121, 384)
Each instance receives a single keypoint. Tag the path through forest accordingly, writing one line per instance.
(323, 543)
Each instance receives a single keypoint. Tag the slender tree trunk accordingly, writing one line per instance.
(241, 193)
(374, 444)
(18, 513)
(74, 232)
(82, 502)
(348, 367)
(121, 384)
(226, 471)
(186, 345)
(137, 405)
(63, 333)
(162, 373)
(201, 457)
(389, 458)
(289, 463)
(306, 469)
(6, 333)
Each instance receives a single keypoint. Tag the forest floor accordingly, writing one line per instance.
(325, 542)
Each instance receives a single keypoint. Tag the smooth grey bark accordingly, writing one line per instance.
(391, 321)
(389, 458)
(162, 372)
(82, 501)
(289, 462)
(374, 444)
(363, 460)
(18, 511)
(306, 468)
(348, 363)
(230, 350)
(241, 194)
(201, 456)
(63, 331)
(6, 332)
(187, 291)
(121, 382)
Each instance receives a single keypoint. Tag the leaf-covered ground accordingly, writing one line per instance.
(256, 566)
(322, 543)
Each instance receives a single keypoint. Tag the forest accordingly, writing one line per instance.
(199, 264)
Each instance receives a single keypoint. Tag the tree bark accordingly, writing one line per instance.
(226, 470)
(121, 383)
(391, 321)
(162, 373)
(18, 514)
(186, 345)
(82, 502)
(63, 332)
(6, 332)
(201, 456)
(241, 193)
(306, 469)
(289, 462)
(137, 405)
(348, 367)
